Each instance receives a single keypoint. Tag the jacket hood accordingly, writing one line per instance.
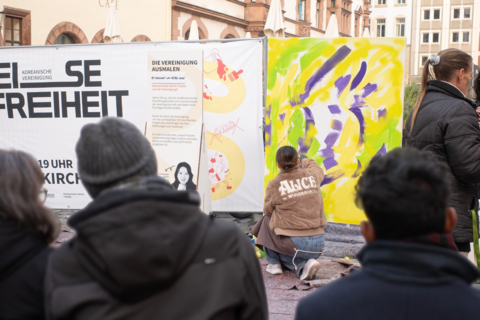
(415, 263)
(17, 246)
(133, 241)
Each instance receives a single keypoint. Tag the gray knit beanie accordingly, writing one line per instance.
(110, 151)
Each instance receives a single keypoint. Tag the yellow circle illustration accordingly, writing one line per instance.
(236, 165)
(232, 80)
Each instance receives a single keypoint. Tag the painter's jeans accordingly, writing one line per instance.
(311, 244)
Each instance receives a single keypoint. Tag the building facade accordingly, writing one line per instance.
(223, 19)
(393, 18)
(45, 22)
(442, 24)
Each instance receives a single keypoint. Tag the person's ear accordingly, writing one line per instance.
(368, 231)
(298, 161)
(278, 166)
(460, 75)
(451, 219)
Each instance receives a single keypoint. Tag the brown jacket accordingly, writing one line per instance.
(294, 201)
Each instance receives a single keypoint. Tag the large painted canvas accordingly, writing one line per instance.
(338, 101)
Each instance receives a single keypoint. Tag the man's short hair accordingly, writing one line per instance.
(404, 194)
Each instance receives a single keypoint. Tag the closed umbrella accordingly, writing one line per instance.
(332, 28)
(194, 31)
(112, 31)
(274, 26)
(248, 35)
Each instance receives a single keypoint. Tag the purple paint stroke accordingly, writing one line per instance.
(382, 113)
(358, 113)
(359, 77)
(334, 109)
(328, 66)
(336, 125)
(330, 163)
(304, 144)
(342, 83)
(282, 117)
(268, 130)
(382, 151)
(329, 178)
(358, 102)
(358, 172)
(328, 153)
(368, 89)
(331, 138)
(308, 114)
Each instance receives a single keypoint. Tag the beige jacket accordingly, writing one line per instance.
(294, 201)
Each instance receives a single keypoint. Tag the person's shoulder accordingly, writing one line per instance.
(460, 107)
(63, 261)
(338, 292)
(224, 238)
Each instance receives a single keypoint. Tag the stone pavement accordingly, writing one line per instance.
(283, 291)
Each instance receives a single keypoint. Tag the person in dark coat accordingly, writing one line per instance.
(444, 123)
(144, 250)
(410, 266)
(27, 228)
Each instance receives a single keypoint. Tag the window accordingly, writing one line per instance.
(466, 13)
(13, 31)
(455, 36)
(425, 37)
(456, 13)
(426, 14)
(380, 28)
(381, 2)
(424, 59)
(301, 10)
(400, 1)
(436, 14)
(466, 36)
(333, 3)
(435, 37)
(64, 39)
(400, 27)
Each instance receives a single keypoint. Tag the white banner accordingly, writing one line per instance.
(174, 126)
(48, 93)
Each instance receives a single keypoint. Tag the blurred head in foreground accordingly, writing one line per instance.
(405, 194)
(23, 195)
(111, 151)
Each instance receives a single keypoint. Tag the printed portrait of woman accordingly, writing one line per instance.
(184, 177)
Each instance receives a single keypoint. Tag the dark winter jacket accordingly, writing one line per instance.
(152, 254)
(23, 261)
(447, 126)
(399, 281)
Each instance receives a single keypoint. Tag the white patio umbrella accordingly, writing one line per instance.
(248, 35)
(332, 28)
(274, 26)
(112, 30)
(194, 31)
(366, 33)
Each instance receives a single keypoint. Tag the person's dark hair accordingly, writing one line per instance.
(20, 182)
(287, 157)
(190, 185)
(451, 60)
(404, 194)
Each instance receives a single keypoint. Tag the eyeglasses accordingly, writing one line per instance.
(42, 194)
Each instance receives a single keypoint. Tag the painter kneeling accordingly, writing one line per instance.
(292, 227)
